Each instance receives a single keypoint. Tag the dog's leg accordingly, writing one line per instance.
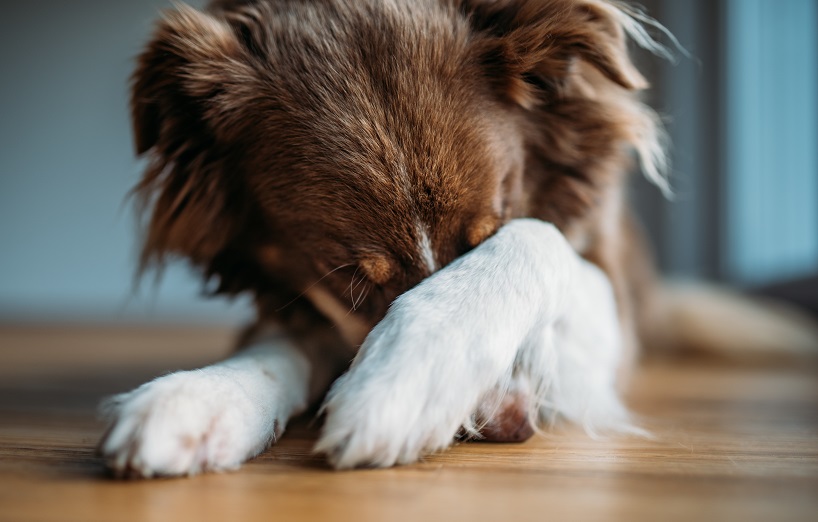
(213, 418)
(573, 366)
(568, 371)
(448, 343)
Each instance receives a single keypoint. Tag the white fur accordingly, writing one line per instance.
(522, 302)
(427, 253)
(209, 419)
(521, 307)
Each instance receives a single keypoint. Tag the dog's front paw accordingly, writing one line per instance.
(182, 424)
(372, 423)
(398, 402)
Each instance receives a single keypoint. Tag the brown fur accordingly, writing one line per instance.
(297, 146)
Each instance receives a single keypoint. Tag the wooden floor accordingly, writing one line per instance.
(730, 443)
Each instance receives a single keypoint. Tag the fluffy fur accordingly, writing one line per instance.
(336, 157)
(439, 364)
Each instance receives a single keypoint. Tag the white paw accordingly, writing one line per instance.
(397, 403)
(375, 424)
(423, 370)
(183, 424)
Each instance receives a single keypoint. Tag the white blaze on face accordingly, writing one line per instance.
(427, 253)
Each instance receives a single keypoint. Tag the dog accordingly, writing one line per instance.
(433, 188)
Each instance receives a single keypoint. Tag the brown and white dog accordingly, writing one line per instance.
(329, 156)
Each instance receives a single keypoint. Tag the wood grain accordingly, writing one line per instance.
(730, 443)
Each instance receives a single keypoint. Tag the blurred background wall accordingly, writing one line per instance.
(743, 116)
(67, 233)
(742, 112)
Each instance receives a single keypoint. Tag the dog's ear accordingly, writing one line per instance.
(190, 85)
(531, 45)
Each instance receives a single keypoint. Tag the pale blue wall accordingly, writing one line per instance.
(66, 162)
(772, 136)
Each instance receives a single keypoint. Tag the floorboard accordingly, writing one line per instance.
(728, 443)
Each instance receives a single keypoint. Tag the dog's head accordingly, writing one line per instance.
(347, 149)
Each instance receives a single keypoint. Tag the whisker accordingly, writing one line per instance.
(352, 294)
(351, 281)
(364, 293)
(362, 280)
(361, 296)
(356, 302)
(296, 298)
